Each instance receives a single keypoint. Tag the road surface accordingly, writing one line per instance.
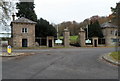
(67, 63)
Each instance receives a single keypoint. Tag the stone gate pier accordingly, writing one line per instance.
(66, 35)
(81, 36)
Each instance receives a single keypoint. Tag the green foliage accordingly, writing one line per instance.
(43, 29)
(26, 9)
(94, 30)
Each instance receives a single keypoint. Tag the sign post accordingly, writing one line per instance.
(9, 50)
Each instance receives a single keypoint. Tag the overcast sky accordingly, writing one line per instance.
(57, 11)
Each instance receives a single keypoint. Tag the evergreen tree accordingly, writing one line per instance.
(44, 28)
(94, 30)
(26, 9)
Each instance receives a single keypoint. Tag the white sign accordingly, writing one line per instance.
(88, 41)
(58, 41)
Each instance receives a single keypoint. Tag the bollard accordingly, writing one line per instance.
(9, 50)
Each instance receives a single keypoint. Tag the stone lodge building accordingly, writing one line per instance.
(110, 33)
(23, 33)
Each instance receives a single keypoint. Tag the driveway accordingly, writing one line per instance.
(67, 63)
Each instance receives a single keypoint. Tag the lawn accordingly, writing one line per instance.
(72, 38)
(115, 55)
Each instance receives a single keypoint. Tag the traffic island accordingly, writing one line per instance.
(110, 59)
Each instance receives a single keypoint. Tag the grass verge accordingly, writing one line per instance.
(116, 55)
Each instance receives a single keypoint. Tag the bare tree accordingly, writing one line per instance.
(6, 10)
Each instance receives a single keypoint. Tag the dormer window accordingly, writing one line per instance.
(24, 30)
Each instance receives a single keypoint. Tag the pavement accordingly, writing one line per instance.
(5, 54)
(14, 54)
(17, 52)
(67, 63)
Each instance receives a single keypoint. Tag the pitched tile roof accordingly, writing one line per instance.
(108, 24)
(23, 20)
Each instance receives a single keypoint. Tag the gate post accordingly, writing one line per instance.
(66, 35)
(82, 38)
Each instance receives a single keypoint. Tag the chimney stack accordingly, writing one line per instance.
(13, 16)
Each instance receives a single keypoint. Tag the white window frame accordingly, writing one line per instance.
(24, 30)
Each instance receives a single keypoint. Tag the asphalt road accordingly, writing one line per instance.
(69, 63)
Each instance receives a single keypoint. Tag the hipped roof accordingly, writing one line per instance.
(23, 20)
(108, 25)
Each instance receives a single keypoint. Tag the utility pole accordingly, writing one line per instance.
(87, 30)
(57, 32)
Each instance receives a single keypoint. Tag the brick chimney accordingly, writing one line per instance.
(13, 16)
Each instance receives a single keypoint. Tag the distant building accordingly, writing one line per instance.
(23, 33)
(110, 33)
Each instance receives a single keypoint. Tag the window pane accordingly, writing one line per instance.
(22, 30)
(25, 30)
(116, 33)
(114, 40)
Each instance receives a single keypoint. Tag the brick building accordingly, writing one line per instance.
(23, 33)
